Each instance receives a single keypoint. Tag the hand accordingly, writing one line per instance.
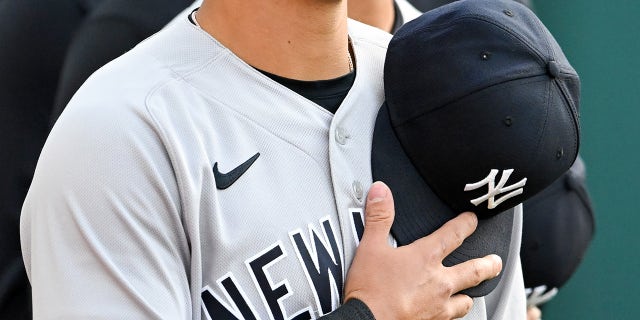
(410, 282)
(533, 313)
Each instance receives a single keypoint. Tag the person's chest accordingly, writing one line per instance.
(271, 201)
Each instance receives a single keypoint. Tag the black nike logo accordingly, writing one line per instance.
(225, 180)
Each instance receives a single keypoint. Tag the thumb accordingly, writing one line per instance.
(379, 213)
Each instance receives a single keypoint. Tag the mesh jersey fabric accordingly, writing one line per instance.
(136, 181)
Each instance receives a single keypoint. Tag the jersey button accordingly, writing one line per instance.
(341, 136)
(357, 190)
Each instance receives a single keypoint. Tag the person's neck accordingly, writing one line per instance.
(296, 39)
(377, 13)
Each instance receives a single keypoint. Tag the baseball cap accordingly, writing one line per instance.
(426, 5)
(557, 230)
(481, 113)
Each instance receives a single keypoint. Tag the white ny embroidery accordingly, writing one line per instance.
(496, 190)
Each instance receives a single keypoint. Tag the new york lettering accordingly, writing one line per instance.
(319, 256)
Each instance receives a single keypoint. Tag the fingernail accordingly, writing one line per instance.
(496, 258)
(377, 192)
(472, 214)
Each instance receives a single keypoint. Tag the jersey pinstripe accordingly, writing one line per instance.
(124, 219)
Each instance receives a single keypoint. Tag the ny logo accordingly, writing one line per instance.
(494, 190)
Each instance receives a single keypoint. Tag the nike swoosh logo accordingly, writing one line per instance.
(225, 180)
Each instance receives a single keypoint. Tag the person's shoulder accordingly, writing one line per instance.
(407, 10)
(178, 49)
(170, 55)
(366, 34)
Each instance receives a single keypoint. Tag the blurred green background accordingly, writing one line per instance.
(602, 41)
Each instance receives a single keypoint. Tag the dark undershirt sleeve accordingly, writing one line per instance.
(353, 309)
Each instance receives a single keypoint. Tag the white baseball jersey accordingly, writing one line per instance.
(407, 11)
(182, 183)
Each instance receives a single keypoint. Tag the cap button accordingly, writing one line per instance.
(507, 12)
(553, 68)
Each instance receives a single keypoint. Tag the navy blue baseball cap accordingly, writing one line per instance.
(558, 227)
(481, 113)
(426, 5)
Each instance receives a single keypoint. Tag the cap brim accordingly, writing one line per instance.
(419, 211)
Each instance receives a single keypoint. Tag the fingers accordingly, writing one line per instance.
(379, 213)
(396, 284)
(460, 305)
(450, 235)
(470, 273)
(533, 313)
